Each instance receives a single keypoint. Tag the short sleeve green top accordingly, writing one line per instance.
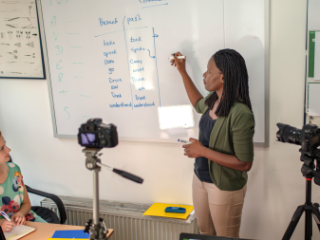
(12, 194)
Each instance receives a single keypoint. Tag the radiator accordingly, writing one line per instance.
(125, 218)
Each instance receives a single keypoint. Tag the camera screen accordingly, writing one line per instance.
(88, 138)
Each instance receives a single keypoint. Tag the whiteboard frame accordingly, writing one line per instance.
(267, 84)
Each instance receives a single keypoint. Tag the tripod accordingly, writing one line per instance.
(310, 209)
(98, 228)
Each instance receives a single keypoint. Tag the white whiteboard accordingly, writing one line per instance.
(109, 60)
(20, 46)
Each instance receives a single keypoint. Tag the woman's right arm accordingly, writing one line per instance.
(6, 225)
(192, 92)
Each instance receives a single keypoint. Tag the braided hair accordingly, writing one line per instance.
(235, 84)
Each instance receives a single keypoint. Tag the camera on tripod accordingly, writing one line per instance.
(309, 139)
(95, 134)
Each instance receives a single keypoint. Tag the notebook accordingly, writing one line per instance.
(76, 234)
(18, 232)
(68, 239)
(158, 210)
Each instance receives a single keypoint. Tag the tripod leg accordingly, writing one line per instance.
(308, 223)
(316, 214)
(294, 221)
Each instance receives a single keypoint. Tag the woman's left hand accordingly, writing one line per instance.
(19, 218)
(193, 149)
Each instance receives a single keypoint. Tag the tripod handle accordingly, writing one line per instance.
(128, 175)
(88, 225)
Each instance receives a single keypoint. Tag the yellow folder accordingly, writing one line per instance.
(157, 209)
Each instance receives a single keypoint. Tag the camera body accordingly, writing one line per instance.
(95, 134)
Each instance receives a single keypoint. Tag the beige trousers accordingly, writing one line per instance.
(218, 212)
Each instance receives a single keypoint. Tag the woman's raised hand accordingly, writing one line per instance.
(179, 63)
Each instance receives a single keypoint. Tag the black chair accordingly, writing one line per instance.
(45, 213)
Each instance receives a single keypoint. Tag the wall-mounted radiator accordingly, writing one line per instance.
(125, 218)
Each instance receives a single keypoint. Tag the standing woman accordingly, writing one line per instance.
(224, 153)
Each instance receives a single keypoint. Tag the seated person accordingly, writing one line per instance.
(14, 198)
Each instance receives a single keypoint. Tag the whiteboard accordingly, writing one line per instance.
(110, 60)
(20, 45)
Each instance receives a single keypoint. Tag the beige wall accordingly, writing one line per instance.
(276, 186)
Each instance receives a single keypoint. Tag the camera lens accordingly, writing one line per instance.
(288, 134)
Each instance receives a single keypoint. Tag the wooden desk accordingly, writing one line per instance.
(45, 230)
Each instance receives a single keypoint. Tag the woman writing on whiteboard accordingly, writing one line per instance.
(224, 152)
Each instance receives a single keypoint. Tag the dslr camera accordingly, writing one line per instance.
(309, 135)
(309, 139)
(95, 134)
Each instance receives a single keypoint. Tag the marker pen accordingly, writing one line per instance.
(183, 141)
(5, 215)
(179, 57)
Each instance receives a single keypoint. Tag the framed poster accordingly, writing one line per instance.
(20, 40)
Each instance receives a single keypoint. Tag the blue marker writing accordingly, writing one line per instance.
(183, 141)
(5, 216)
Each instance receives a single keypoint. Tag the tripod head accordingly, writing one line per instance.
(309, 139)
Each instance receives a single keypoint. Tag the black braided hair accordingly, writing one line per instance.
(235, 84)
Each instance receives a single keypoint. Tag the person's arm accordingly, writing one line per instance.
(242, 133)
(230, 161)
(6, 225)
(192, 92)
(19, 217)
(196, 149)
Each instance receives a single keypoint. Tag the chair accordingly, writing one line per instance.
(45, 213)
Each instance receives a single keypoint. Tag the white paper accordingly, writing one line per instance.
(18, 232)
(314, 99)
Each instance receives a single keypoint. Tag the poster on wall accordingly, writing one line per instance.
(20, 42)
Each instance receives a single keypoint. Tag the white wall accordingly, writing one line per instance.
(276, 186)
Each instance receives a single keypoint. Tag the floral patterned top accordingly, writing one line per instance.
(12, 194)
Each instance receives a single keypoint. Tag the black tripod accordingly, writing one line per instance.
(310, 209)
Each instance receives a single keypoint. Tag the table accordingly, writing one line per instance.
(46, 230)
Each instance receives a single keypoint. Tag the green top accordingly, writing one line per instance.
(12, 194)
(231, 135)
